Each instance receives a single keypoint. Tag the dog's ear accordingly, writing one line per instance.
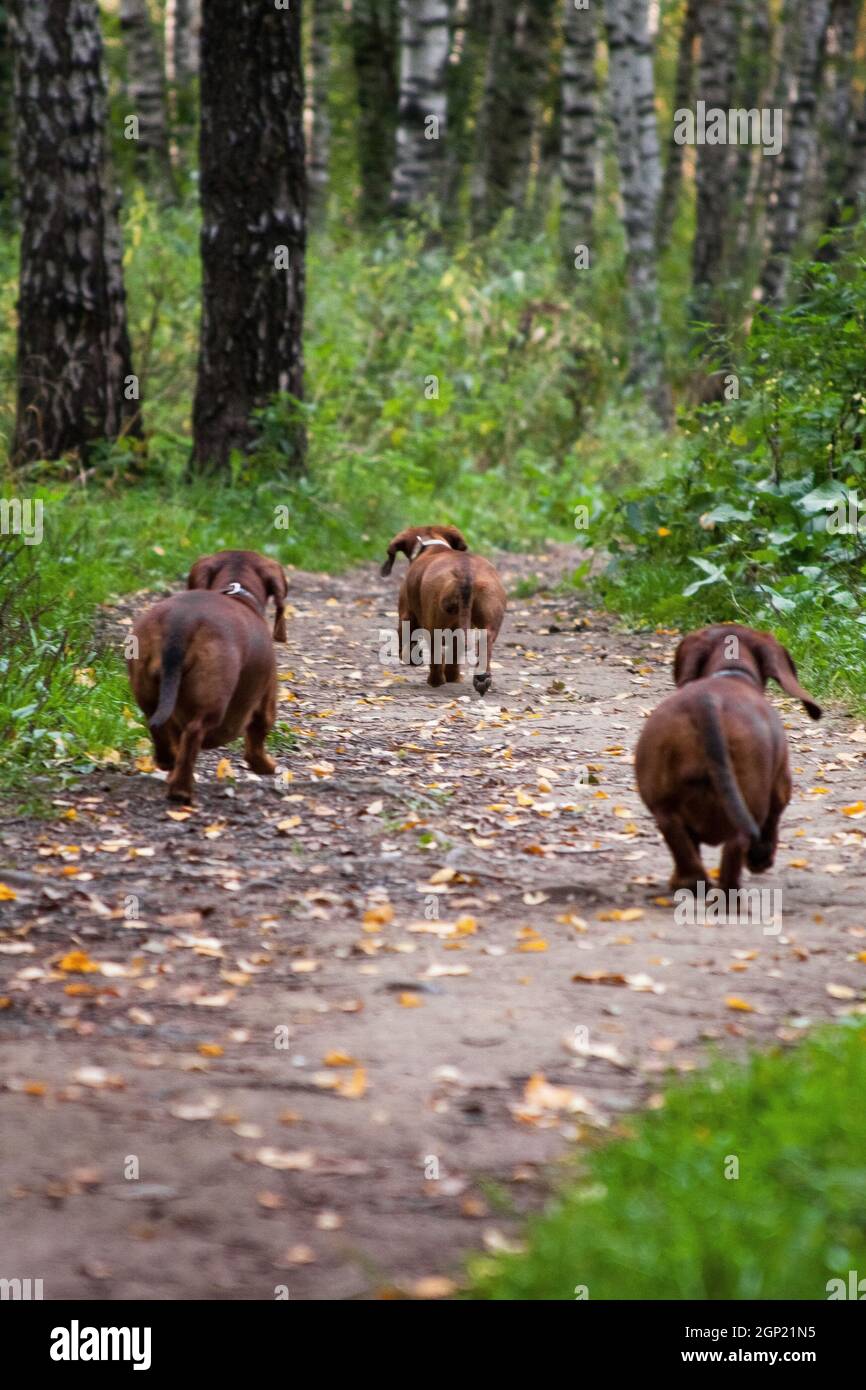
(405, 541)
(691, 657)
(455, 538)
(273, 577)
(202, 572)
(776, 663)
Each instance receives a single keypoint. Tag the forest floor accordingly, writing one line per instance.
(286, 1072)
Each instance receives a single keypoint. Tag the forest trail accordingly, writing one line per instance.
(154, 1044)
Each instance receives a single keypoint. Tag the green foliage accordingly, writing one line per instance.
(654, 1216)
(753, 520)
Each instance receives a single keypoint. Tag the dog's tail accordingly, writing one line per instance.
(457, 603)
(172, 670)
(722, 773)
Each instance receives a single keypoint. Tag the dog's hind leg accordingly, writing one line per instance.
(731, 867)
(257, 757)
(164, 747)
(180, 783)
(482, 680)
(688, 869)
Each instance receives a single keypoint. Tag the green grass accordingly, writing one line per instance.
(653, 1216)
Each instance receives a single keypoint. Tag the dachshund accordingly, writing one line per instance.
(712, 760)
(447, 595)
(262, 576)
(202, 668)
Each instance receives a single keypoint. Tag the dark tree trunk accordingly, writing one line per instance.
(472, 20)
(374, 49)
(7, 120)
(253, 199)
(684, 84)
(719, 38)
(75, 381)
(842, 120)
(516, 66)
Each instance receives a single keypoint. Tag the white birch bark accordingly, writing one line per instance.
(421, 114)
(786, 216)
(632, 102)
(579, 126)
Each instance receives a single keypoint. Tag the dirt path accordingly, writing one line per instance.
(194, 1045)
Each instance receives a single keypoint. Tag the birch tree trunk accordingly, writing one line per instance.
(421, 113)
(318, 155)
(840, 113)
(579, 128)
(684, 84)
(375, 57)
(253, 201)
(785, 217)
(182, 39)
(714, 168)
(515, 72)
(182, 36)
(75, 381)
(632, 101)
(145, 87)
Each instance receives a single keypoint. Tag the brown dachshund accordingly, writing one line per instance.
(712, 761)
(446, 595)
(204, 674)
(263, 577)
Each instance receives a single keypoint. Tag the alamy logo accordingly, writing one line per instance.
(762, 906)
(76, 1343)
(21, 1290)
(855, 1288)
(418, 646)
(735, 127)
(21, 518)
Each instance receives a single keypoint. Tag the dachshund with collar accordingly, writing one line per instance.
(712, 760)
(203, 670)
(262, 576)
(448, 597)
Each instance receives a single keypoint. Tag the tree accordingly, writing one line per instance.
(470, 26)
(145, 88)
(579, 128)
(374, 54)
(719, 38)
(182, 36)
(516, 60)
(785, 216)
(843, 135)
(75, 380)
(318, 155)
(632, 102)
(684, 84)
(421, 113)
(253, 202)
(6, 117)
(182, 33)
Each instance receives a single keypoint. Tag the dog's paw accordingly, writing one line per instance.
(761, 857)
(262, 764)
(180, 794)
(482, 683)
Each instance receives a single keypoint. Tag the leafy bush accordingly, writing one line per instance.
(753, 519)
